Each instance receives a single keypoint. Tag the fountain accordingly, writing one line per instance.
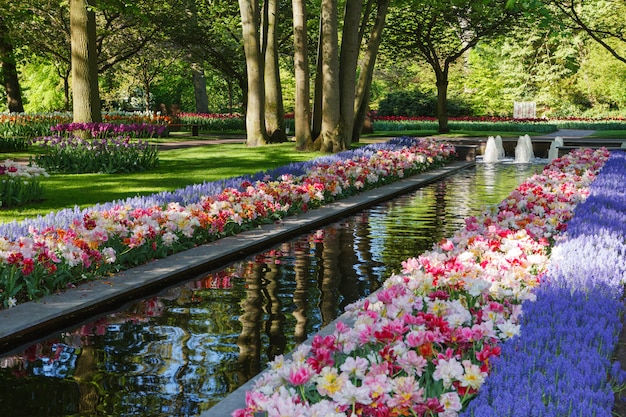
(491, 151)
(553, 152)
(494, 151)
(500, 147)
(524, 150)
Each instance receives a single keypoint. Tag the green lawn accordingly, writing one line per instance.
(453, 134)
(609, 134)
(177, 168)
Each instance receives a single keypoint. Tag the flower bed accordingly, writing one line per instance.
(109, 148)
(426, 342)
(106, 130)
(561, 363)
(40, 256)
(19, 184)
(74, 155)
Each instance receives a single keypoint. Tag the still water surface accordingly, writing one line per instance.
(180, 352)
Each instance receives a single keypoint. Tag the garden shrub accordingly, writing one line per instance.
(417, 103)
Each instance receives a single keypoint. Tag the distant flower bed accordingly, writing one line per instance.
(19, 184)
(110, 148)
(218, 122)
(41, 256)
(26, 125)
(426, 342)
(106, 130)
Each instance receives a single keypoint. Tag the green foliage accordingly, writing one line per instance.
(13, 144)
(15, 133)
(591, 124)
(19, 185)
(18, 192)
(408, 103)
(41, 87)
(417, 103)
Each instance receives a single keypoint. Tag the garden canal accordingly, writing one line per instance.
(181, 351)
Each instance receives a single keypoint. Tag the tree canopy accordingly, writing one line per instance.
(319, 60)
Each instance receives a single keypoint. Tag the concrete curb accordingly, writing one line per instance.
(29, 322)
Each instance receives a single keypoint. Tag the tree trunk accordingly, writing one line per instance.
(274, 110)
(302, 112)
(347, 67)
(361, 102)
(442, 99)
(255, 112)
(316, 121)
(9, 71)
(65, 76)
(199, 87)
(86, 96)
(331, 128)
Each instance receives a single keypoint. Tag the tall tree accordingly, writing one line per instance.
(302, 112)
(86, 102)
(199, 87)
(274, 108)
(350, 48)
(362, 94)
(255, 112)
(338, 98)
(331, 134)
(122, 30)
(9, 70)
(441, 33)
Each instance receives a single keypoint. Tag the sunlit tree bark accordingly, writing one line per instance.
(86, 96)
(255, 111)
(331, 134)
(302, 111)
(349, 56)
(274, 110)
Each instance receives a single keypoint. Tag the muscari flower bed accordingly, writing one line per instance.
(47, 254)
(427, 342)
(560, 365)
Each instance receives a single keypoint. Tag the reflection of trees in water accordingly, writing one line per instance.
(84, 376)
(274, 326)
(249, 341)
(302, 266)
(365, 265)
(329, 272)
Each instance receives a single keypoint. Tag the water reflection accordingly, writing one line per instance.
(179, 353)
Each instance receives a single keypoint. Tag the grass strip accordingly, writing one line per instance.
(177, 169)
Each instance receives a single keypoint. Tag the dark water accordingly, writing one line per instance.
(180, 352)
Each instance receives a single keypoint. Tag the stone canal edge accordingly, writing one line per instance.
(29, 322)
